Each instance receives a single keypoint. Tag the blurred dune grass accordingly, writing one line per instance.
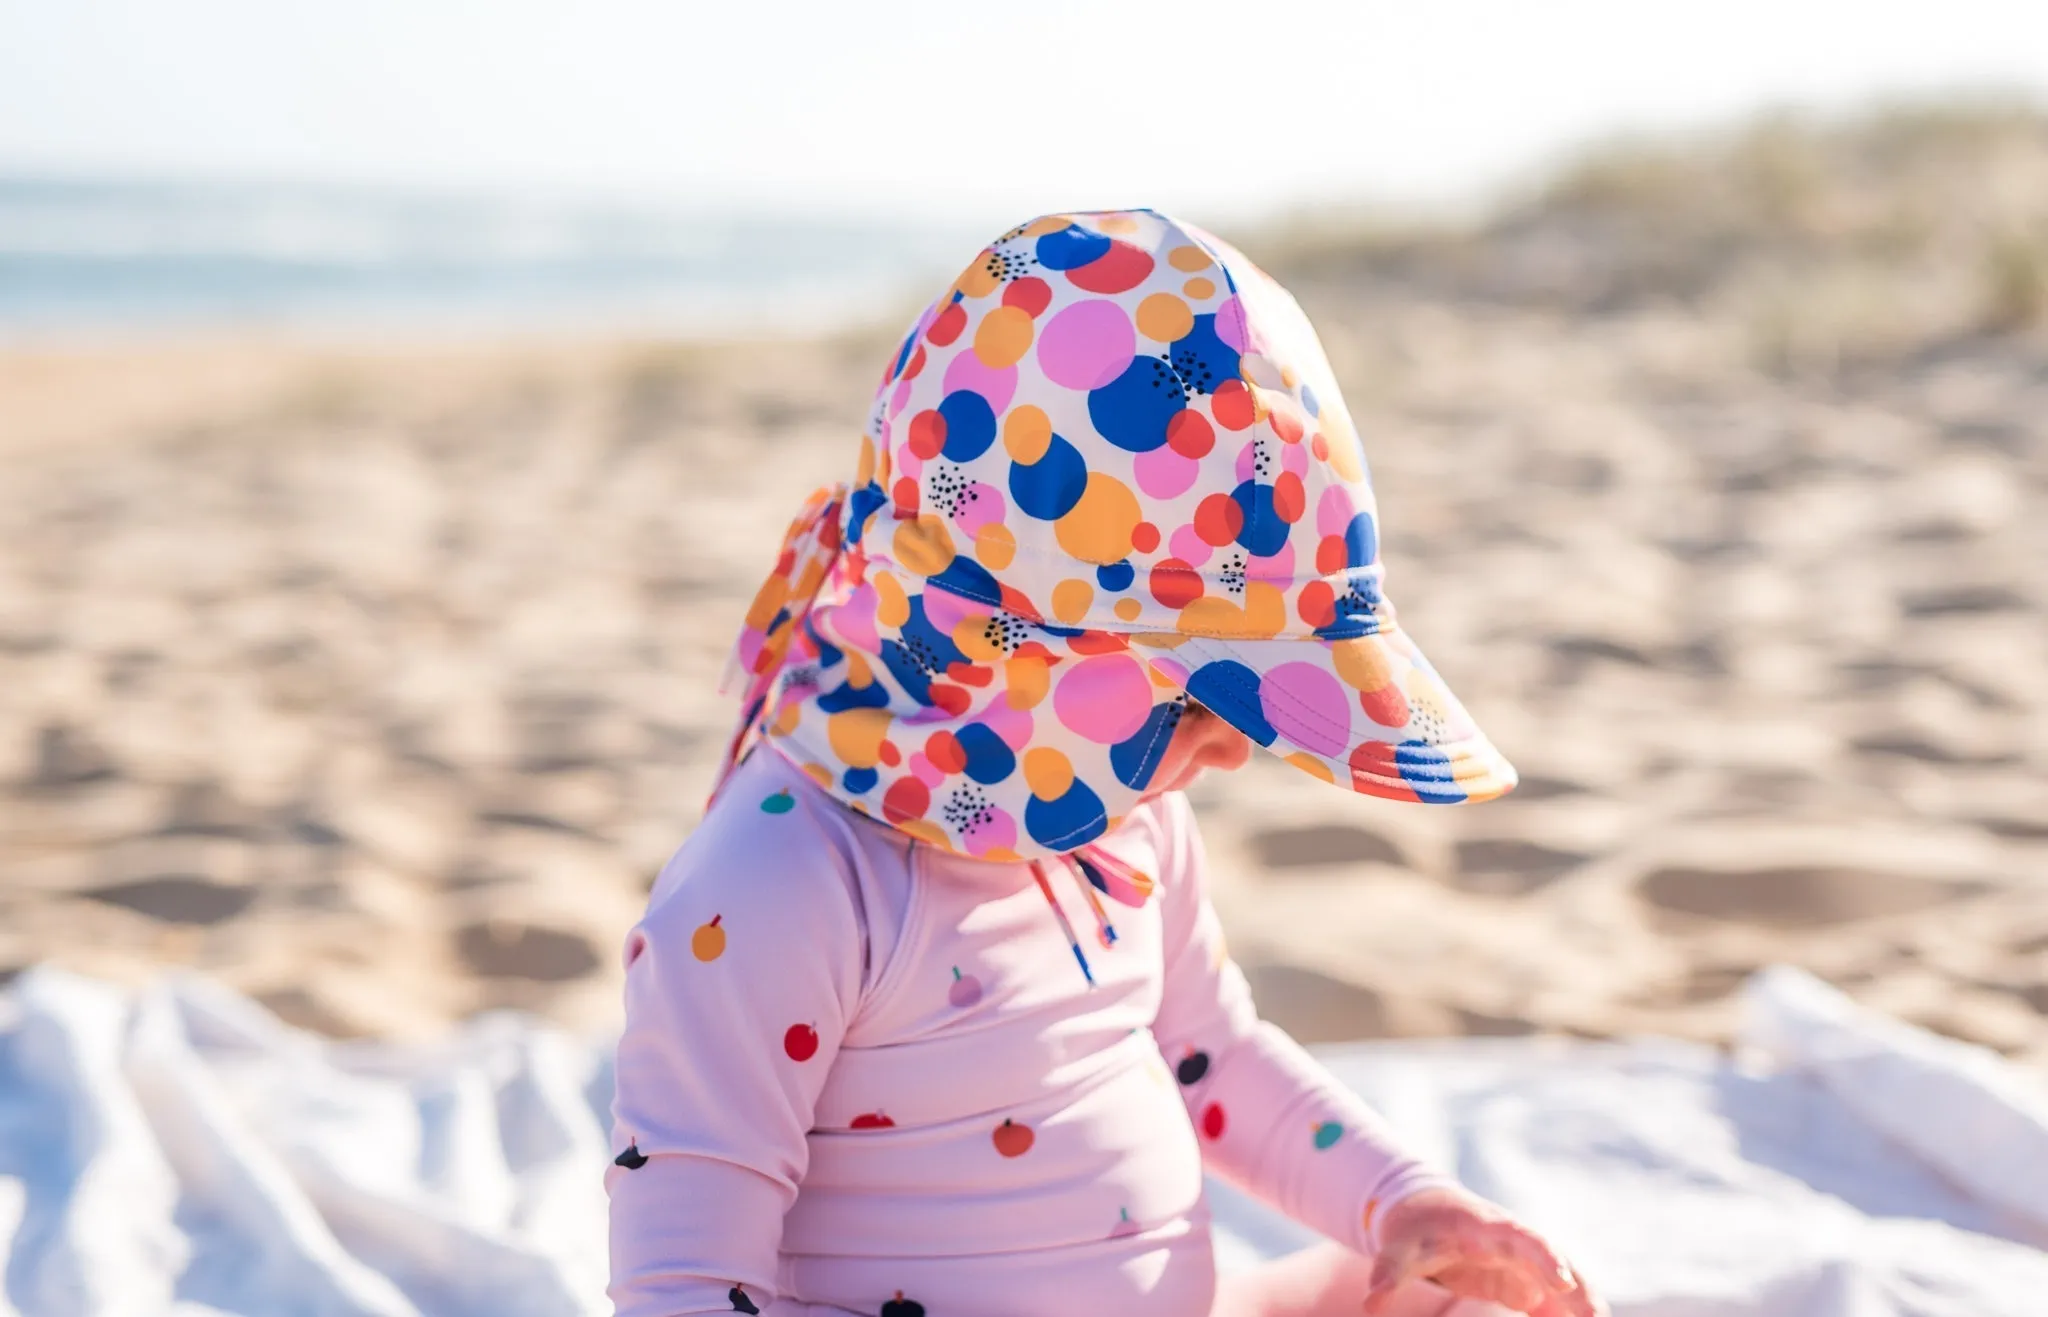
(1826, 241)
(376, 677)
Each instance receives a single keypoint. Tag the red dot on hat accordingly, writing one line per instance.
(947, 326)
(1029, 295)
(1218, 519)
(1231, 405)
(1290, 500)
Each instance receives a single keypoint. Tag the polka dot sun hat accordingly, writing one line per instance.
(1106, 472)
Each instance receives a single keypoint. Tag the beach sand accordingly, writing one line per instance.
(377, 678)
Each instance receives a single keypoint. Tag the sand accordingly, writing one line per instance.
(376, 678)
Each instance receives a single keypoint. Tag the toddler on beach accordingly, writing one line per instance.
(930, 1017)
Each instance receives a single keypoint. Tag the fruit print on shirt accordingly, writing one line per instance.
(800, 1042)
(965, 991)
(1012, 1139)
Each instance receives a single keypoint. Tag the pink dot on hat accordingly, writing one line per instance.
(1105, 699)
(1164, 473)
(969, 373)
(1087, 345)
(980, 505)
(1188, 545)
(1308, 706)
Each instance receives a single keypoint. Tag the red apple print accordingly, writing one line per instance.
(1012, 1139)
(1212, 1121)
(872, 1120)
(966, 990)
(737, 1297)
(801, 1042)
(1192, 1067)
(902, 1307)
(632, 1158)
(1124, 1226)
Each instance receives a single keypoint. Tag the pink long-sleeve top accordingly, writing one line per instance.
(858, 1071)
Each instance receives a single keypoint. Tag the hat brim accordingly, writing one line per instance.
(1368, 713)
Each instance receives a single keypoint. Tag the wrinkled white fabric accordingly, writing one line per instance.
(179, 1151)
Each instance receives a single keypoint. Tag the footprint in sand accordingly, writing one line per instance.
(505, 950)
(1505, 866)
(177, 898)
(1797, 898)
(1316, 845)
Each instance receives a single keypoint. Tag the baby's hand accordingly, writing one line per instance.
(1477, 1251)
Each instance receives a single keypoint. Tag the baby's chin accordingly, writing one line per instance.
(1178, 780)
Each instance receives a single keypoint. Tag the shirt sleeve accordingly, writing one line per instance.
(739, 983)
(1271, 1120)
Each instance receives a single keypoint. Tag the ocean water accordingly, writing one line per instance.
(114, 254)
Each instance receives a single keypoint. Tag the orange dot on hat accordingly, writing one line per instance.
(1200, 289)
(924, 545)
(1188, 259)
(1128, 609)
(1070, 599)
(1003, 337)
(1027, 433)
(1098, 528)
(1047, 772)
(995, 545)
(1164, 318)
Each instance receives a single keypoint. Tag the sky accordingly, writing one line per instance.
(954, 108)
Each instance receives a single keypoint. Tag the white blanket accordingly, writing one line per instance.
(181, 1151)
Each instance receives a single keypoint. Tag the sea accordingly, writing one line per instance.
(88, 255)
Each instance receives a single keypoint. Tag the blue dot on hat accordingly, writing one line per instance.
(1075, 819)
(1263, 533)
(1115, 576)
(1049, 488)
(1070, 248)
(1135, 760)
(989, 757)
(1232, 689)
(1203, 359)
(1132, 410)
(970, 425)
(1361, 541)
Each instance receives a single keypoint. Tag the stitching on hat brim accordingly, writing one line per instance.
(1468, 750)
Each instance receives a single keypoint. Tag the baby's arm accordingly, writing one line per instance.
(738, 984)
(1271, 1119)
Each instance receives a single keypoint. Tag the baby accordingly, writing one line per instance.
(931, 1015)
